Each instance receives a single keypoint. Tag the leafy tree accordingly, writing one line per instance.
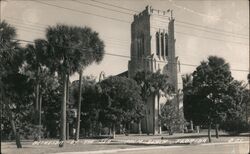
(169, 117)
(51, 109)
(90, 103)
(151, 84)
(72, 48)
(237, 95)
(187, 97)
(10, 57)
(245, 103)
(18, 91)
(36, 59)
(237, 98)
(211, 80)
(121, 101)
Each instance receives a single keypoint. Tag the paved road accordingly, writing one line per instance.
(218, 148)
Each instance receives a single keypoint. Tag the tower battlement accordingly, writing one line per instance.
(150, 11)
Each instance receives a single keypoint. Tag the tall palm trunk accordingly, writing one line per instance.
(63, 112)
(113, 129)
(79, 107)
(191, 125)
(139, 127)
(209, 132)
(67, 102)
(146, 112)
(16, 133)
(11, 119)
(37, 93)
(40, 116)
(217, 130)
(13, 126)
(147, 129)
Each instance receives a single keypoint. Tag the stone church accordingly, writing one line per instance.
(153, 48)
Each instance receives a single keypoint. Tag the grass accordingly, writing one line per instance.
(28, 148)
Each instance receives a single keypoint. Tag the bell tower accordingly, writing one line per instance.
(153, 49)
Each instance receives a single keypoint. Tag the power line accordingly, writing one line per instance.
(44, 26)
(80, 11)
(36, 24)
(136, 11)
(218, 33)
(125, 56)
(183, 22)
(33, 31)
(26, 26)
(205, 30)
(49, 4)
(219, 30)
(162, 21)
(182, 33)
(81, 2)
(108, 4)
(112, 41)
(205, 15)
(187, 34)
(116, 18)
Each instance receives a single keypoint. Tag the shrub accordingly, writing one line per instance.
(235, 127)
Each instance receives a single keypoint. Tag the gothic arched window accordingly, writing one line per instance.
(162, 44)
(142, 44)
(157, 44)
(139, 47)
(166, 44)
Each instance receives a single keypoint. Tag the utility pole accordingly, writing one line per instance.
(248, 77)
(1, 102)
(0, 11)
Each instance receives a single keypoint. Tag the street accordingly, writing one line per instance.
(213, 148)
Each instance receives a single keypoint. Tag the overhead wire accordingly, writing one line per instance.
(183, 33)
(127, 21)
(126, 56)
(84, 2)
(84, 12)
(128, 9)
(108, 4)
(205, 30)
(80, 11)
(184, 22)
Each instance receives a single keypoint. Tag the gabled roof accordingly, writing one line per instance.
(123, 74)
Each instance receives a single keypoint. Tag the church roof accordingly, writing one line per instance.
(123, 74)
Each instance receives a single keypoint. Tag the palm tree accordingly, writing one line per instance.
(73, 48)
(94, 54)
(151, 84)
(36, 59)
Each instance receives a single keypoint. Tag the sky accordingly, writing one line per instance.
(203, 28)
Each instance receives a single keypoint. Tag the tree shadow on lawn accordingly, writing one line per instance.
(202, 136)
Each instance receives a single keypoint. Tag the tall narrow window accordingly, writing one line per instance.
(143, 44)
(138, 47)
(166, 44)
(162, 44)
(157, 44)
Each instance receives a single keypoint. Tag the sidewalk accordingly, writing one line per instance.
(120, 142)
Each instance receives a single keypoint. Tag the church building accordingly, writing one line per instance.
(152, 49)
